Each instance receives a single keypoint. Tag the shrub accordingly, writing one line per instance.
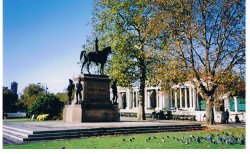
(59, 117)
(42, 117)
(47, 104)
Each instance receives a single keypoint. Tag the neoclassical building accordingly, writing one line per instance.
(180, 99)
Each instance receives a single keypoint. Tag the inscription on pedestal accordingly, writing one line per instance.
(95, 91)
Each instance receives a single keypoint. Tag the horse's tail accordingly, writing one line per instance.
(81, 55)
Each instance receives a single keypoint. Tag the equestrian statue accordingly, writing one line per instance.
(96, 56)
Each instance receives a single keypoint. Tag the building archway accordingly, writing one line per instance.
(124, 101)
(153, 99)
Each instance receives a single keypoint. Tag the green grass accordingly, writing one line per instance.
(116, 142)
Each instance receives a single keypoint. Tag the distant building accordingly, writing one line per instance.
(181, 99)
(14, 87)
(6, 88)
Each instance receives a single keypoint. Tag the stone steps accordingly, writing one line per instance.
(26, 135)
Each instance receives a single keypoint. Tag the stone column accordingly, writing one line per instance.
(120, 100)
(128, 99)
(162, 100)
(190, 98)
(226, 104)
(133, 98)
(157, 98)
(235, 104)
(194, 98)
(170, 101)
(145, 99)
(186, 106)
(136, 101)
(175, 98)
(180, 97)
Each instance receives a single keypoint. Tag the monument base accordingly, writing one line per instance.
(96, 105)
(91, 112)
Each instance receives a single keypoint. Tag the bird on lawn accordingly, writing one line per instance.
(242, 141)
(219, 139)
(167, 136)
(146, 140)
(242, 136)
(209, 139)
(197, 140)
(214, 142)
(163, 140)
(123, 139)
(63, 148)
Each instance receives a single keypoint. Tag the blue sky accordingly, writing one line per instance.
(42, 40)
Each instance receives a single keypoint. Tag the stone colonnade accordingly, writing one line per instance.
(179, 97)
(128, 98)
(227, 103)
(185, 97)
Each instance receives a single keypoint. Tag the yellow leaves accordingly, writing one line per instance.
(138, 19)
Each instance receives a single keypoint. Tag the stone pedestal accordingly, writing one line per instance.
(96, 105)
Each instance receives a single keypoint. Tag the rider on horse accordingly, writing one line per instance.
(96, 56)
(96, 46)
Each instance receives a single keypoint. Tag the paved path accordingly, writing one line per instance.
(60, 125)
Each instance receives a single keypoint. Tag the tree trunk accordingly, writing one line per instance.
(210, 111)
(141, 105)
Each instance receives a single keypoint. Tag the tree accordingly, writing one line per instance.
(30, 93)
(9, 101)
(47, 104)
(63, 97)
(208, 38)
(126, 26)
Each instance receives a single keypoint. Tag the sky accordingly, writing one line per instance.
(42, 41)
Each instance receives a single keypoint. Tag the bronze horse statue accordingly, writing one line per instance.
(97, 57)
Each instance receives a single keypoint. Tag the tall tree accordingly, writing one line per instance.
(30, 93)
(9, 101)
(126, 26)
(208, 38)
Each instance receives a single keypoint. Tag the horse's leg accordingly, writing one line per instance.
(102, 66)
(83, 65)
(88, 66)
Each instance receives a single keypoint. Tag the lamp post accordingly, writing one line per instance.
(46, 88)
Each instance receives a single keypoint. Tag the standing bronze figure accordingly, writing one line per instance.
(114, 90)
(70, 90)
(96, 48)
(79, 88)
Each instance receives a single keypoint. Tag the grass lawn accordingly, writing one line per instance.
(139, 141)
